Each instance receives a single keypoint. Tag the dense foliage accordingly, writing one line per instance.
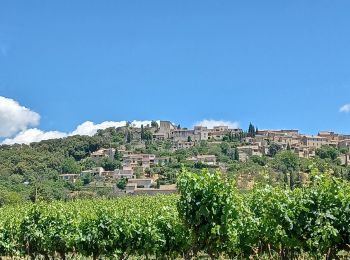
(275, 206)
(111, 228)
(31, 172)
(274, 221)
(210, 216)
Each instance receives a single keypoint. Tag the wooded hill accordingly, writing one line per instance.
(31, 172)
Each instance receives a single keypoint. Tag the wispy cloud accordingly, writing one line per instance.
(4, 48)
(345, 108)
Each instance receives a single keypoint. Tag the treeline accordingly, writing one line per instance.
(29, 171)
(209, 217)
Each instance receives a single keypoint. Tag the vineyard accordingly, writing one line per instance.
(208, 217)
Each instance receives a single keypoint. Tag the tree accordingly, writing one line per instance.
(138, 172)
(181, 155)
(70, 166)
(274, 149)
(47, 190)
(109, 164)
(225, 148)
(121, 184)
(148, 172)
(189, 139)
(200, 165)
(128, 137)
(288, 147)
(288, 163)
(261, 160)
(154, 124)
(118, 156)
(142, 133)
(327, 152)
(226, 138)
(344, 150)
(9, 197)
(236, 157)
(87, 178)
(251, 130)
(147, 136)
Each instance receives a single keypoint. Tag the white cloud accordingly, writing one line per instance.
(33, 135)
(138, 124)
(90, 128)
(345, 108)
(15, 120)
(210, 123)
(87, 128)
(14, 117)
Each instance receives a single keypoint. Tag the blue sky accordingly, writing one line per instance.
(278, 64)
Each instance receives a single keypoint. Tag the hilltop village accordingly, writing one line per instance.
(140, 172)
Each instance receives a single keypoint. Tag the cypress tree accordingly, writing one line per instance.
(128, 137)
(288, 146)
(236, 154)
(142, 133)
(251, 130)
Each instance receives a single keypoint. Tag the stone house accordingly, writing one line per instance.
(165, 128)
(247, 151)
(205, 159)
(182, 145)
(69, 177)
(313, 141)
(184, 135)
(344, 144)
(126, 172)
(138, 160)
(142, 183)
(103, 153)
